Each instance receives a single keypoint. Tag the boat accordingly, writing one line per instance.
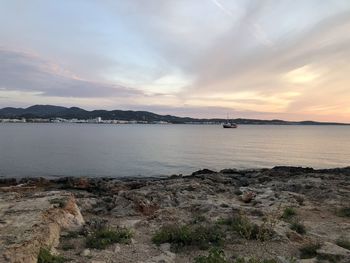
(228, 124)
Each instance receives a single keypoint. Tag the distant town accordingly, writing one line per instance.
(59, 114)
(97, 120)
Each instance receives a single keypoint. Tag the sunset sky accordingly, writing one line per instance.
(201, 58)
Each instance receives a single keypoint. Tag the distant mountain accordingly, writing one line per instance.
(50, 111)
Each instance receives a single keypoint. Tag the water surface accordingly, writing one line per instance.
(132, 150)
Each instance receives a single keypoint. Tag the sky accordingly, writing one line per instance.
(265, 59)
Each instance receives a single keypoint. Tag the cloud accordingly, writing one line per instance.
(23, 71)
(280, 58)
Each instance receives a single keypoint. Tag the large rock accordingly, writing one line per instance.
(34, 221)
(334, 252)
(166, 257)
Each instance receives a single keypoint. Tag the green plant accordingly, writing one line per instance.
(298, 227)
(288, 213)
(215, 256)
(246, 229)
(309, 250)
(45, 256)
(343, 242)
(72, 234)
(218, 256)
(68, 246)
(100, 239)
(58, 202)
(254, 260)
(344, 212)
(189, 235)
(198, 218)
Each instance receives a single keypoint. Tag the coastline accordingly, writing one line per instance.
(41, 212)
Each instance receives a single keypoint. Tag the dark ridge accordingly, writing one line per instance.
(51, 112)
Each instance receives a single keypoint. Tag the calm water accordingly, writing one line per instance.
(131, 150)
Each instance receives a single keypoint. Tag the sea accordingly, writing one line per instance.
(128, 150)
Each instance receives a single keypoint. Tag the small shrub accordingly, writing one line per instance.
(58, 202)
(298, 227)
(46, 257)
(309, 250)
(343, 212)
(198, 218)
(246, 229)
(215, 256)
(189, 235)
(344, 243)
(72, 234)
(288, 213)
(218, 256)
(100, 239)
(68, 246)
(330, 258)
(255, 260)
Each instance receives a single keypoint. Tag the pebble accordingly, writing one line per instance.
(86, 252)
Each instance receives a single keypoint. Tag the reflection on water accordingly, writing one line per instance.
(129, 150)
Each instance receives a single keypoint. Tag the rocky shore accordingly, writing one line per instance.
(283, 214)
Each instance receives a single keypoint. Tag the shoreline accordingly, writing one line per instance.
(291, 208)
(288, 169)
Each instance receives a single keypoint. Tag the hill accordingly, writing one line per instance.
(51, 111)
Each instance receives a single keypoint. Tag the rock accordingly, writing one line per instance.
(124, 207)
(247, 197)
(309, 260)
(166, 257)
(146, 207)
(295, 237)
(264, 179)
(229, 171)
(117, 249)
(87, 204)
(33, 222)
(243, 182)
(165, 247)
(203, 171)
(292, 170)
(283, 260)
(7, 181)
(293, 187)
(330, 250)
(86, 252)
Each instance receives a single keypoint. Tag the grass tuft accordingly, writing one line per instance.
(100, 239)
(215, 256)
(68, 246)
(45, 256)
(189, 235)
(298, 227)
(255, 260)
(58, 202)
(309, 250)
(288, 213)
(246, 229)
(218, 256)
